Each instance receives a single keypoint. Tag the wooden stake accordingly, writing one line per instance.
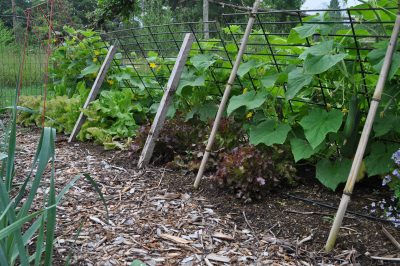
(94, 91)
(227, 92)
(348, 190)
(159, 119)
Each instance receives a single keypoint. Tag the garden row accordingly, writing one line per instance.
(304, 100)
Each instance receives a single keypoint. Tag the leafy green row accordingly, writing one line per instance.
(315, 101)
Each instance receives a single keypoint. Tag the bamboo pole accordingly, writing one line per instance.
(364, 137)
(227, 92)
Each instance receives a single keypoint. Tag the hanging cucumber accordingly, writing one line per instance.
(353, 118)
(350, 131)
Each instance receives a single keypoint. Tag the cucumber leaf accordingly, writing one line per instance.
(269, 132)
(249, 99)
(317, 124)
(296, 81)
(331, 174)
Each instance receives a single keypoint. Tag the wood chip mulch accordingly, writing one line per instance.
(149, 222)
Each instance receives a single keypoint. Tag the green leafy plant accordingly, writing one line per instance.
(114, 116)
(61, 112)
(76, 63)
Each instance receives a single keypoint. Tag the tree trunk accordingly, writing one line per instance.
(14, 18)
(206, 19)
(142, 8)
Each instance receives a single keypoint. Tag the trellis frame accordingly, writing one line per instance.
(259, 21)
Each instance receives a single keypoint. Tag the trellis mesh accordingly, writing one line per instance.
(136, 47)
(267, 42)
(35, 25)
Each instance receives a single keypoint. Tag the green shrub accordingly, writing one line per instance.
(6, 35)
(112, 118)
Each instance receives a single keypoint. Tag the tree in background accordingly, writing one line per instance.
(6, 36)
(81, 10)
(114, 10)
(105, 13)
(335, 15)
(189, 10)
(334, 4)
(20, 5)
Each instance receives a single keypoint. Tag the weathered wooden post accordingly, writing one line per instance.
(94, 91)
(173, 83)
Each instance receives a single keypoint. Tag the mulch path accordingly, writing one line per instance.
(155, 216)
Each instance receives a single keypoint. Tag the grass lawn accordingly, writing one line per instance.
(7, 94)
(32, 75)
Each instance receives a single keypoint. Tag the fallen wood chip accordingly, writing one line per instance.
(167, 196)
(208, 262)
(175, 239)
(385, 258)
(223, 236)
(219, 258)
(138, 251)
(173, 255)
(308, 238)
(391, 238)
(97, 220)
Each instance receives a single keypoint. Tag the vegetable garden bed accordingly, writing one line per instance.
(147, 207)
(285, 144)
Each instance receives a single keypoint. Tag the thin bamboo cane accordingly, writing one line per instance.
(227, 92)
(330, 243)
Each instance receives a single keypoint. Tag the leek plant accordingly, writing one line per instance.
(26, 233)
